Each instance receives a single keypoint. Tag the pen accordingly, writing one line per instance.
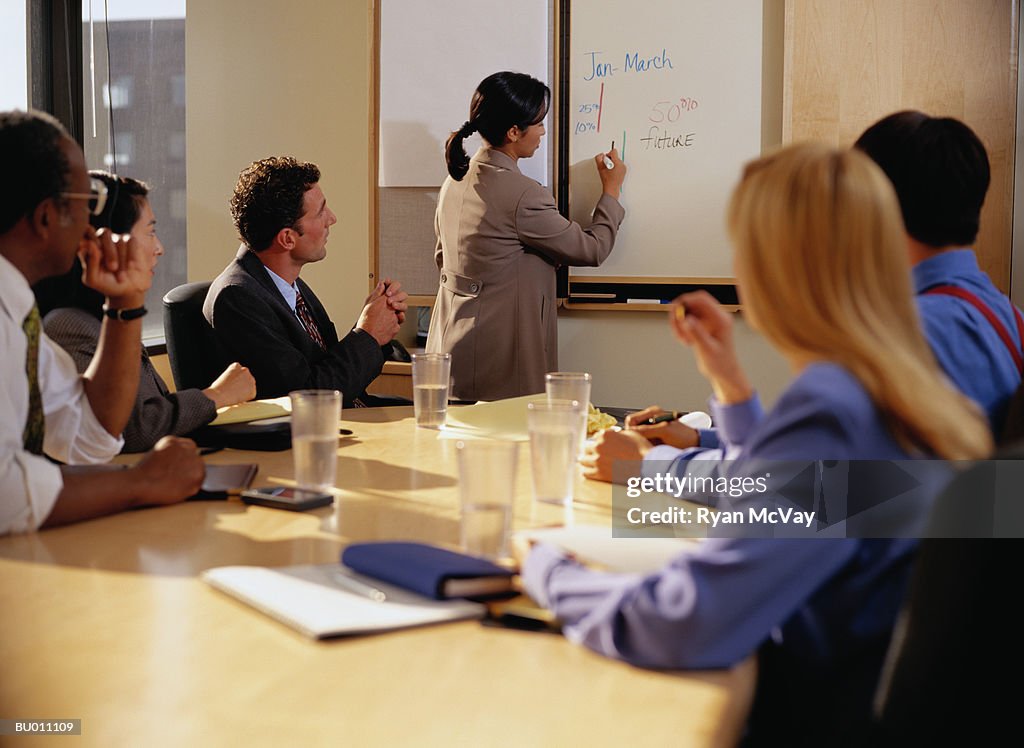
(360, 588)
(673, 415)
(608, 163)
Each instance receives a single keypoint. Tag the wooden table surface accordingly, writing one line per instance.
(106, 621)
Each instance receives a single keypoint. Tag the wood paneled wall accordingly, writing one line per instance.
(850, 62)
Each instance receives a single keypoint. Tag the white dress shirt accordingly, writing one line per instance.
(29, 484)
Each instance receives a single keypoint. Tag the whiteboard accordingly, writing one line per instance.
(677, 87)
(433, 54)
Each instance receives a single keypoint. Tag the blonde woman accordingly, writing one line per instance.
(823, 273)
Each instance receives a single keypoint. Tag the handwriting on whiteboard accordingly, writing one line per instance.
(632, 63)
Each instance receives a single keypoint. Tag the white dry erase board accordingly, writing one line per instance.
(430, 57)
(677, 86)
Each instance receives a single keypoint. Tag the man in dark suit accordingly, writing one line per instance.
(267, 318)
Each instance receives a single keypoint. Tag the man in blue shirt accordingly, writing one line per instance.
(940, 171)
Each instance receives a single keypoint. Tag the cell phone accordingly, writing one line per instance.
(283, 497)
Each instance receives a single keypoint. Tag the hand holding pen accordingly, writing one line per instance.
(662, 427)
(612, 172)
(701, 323)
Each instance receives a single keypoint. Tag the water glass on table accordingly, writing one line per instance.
(554, 427)
(487, 477)
(315, 417)
(430, 375)
(571, 385)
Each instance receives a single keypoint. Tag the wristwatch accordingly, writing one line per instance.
(125, 314)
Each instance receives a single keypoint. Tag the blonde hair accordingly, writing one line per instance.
(824, 270)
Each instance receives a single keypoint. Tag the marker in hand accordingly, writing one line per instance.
(608, 163)
(672, 415)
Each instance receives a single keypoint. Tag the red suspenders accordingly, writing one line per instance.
(998, 326)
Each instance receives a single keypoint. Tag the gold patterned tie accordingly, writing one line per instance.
(302, 309)
(35, 424)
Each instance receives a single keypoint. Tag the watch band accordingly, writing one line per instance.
(125, 315)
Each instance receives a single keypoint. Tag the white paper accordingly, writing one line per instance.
(308, 599)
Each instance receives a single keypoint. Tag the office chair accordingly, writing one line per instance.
(196, 356)
(956, 643)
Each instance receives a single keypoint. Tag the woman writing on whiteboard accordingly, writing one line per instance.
(500, 238)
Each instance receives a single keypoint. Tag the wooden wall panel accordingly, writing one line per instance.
(850, 62)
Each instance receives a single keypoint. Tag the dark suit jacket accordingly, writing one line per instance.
(256, 327)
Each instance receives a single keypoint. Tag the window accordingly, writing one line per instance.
(13, 56)
(144, 41)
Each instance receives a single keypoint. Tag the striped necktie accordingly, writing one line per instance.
(302, 310)
(35, 423)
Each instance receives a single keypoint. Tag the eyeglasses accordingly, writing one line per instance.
(97, 196)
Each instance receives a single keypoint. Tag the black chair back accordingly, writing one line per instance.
(196, 356)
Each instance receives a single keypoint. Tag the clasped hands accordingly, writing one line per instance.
(384, 311)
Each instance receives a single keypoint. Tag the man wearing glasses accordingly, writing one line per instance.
(46, 409)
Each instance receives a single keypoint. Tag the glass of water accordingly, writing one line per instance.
(430, 375)
(571, 385)
(315, 417)
(487, 478)
(554, 427)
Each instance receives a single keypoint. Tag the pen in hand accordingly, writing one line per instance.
(360, 588)
(608, 163)
(672, 415)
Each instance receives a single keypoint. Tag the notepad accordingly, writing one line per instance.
(254, 410)
(308, 599)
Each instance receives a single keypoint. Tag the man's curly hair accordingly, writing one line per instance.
(268, 198)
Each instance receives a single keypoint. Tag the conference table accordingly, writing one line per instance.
(107, 621)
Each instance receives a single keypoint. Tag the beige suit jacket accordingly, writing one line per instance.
(499, 239)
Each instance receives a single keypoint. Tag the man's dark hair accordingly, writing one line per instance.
(35, 166)
(268, 198)
(940, 171)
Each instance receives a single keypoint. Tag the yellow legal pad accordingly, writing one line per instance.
(254, 410)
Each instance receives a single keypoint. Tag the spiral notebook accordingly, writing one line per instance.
(313, 600)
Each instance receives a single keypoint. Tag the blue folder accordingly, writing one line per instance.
(431, 571)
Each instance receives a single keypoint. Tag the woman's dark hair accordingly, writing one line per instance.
(940, 171)
(501, 101)
(124, 202)
(121, 211)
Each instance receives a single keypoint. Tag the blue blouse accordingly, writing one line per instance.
(715, 605)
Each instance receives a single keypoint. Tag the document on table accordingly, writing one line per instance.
(314, 601)
(500, 419)
(594, 544)
(254, 410)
